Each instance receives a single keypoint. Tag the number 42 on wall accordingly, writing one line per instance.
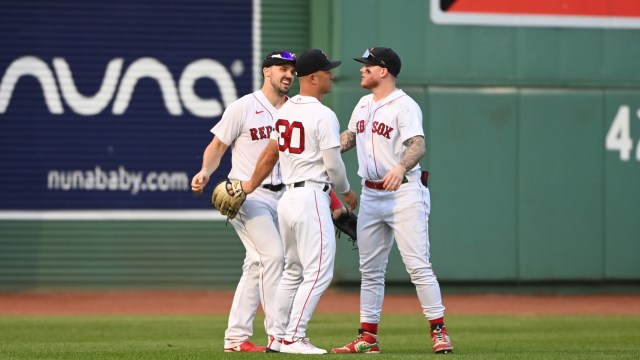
(619, 135)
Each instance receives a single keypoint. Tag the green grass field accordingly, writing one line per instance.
(401, 337)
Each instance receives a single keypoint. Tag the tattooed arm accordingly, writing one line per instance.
(347, 140)
(415, 151)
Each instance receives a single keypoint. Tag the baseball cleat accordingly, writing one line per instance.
(273, 346)
(245, 347)
(441, 342)
(301, 346)
(366, 342)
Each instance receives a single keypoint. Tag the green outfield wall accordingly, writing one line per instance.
(525, 185)
(533, 146)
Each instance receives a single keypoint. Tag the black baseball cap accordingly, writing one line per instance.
(279, 58)
(383, 57)
(314, 60)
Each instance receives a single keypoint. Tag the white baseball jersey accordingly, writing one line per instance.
(381, 129)
(384, 216)
(304, 127)
(246, 126)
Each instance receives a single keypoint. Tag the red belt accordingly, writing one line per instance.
(379, 185)
(374, 185)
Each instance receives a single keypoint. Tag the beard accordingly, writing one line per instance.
(282, 89)
(368, 84)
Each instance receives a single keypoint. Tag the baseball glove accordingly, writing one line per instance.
(228, 197)
(347, 223)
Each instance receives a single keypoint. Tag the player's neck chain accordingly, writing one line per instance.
(375, 105)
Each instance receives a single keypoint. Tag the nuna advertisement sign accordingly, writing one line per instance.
(108, 104)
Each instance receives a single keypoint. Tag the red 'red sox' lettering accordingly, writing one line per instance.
(260, 133)
(360, 126)
(381, 129)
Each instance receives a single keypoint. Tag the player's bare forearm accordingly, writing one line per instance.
(351, 198)
(212, 155)
(266, 161)
(347, 140)
(415, 151)
(210, 162)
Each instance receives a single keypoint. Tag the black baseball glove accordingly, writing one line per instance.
(347, 224)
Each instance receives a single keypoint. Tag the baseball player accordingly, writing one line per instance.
(386, 128)
(245, 126)
(306, 141)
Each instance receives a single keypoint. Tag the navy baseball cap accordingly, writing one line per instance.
(383, 57)
(314, 60)
(279, 58)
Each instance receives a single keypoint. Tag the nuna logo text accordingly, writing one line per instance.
(177, 96)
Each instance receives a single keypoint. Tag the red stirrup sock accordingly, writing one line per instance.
(369, 327)
(436, 323)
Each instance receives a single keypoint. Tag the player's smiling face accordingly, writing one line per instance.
(281, 77)
(369, 75)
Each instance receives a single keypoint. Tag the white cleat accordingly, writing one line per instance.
(273, 345)
(302, 346)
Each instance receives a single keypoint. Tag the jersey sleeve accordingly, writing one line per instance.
(328, 130)
(354, 117)
(229, 127)
(410, 121)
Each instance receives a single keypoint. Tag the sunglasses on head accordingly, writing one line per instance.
(369, 56)
(285, 55)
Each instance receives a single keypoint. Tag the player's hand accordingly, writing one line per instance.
(351, 198)
(339, 212)
(247, 186)
(199, 181)
(393, 179)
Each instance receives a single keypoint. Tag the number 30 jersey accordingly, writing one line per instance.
(304, 127)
